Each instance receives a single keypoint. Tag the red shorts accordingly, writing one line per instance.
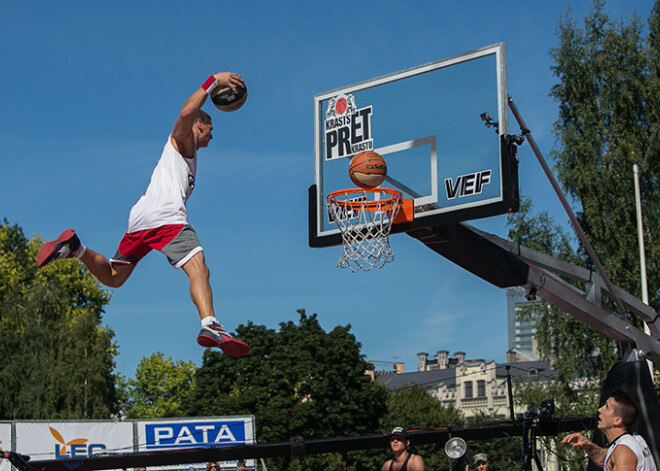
(177, 241)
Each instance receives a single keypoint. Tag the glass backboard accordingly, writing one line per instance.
(440, 128)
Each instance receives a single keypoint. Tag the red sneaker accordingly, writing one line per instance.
(214, 335)
(64, 246)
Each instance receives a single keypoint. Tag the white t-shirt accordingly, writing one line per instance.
(637, 445)
(171, 185)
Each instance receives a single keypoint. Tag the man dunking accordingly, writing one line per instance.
(627, 451)
(159, 220)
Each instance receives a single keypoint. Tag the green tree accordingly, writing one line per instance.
(608, 93)
(573, 348)
(160, 387)
(609, 119)
(298, 381)
(415, 409)
(503, 453)
(57, 358)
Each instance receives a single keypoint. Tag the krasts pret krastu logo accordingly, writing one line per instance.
(347, 128)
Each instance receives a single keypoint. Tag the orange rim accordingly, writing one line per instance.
(373, 205)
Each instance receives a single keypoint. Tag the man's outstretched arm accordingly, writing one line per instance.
(594, 452)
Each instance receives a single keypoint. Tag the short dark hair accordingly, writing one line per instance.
(202, 116)
(626, 407)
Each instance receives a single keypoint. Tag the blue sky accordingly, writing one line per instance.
(91, 90)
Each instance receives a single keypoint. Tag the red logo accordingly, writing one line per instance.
(341, 105)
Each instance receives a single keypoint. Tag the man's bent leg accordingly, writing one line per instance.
(68, 245)
(200, 288)
(112, 275)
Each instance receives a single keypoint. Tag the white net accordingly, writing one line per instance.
(365, 220)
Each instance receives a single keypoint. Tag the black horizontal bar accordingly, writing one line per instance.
(298, 446)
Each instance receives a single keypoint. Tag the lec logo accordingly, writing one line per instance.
(77, 447)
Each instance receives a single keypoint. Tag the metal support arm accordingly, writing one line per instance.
(506, 264)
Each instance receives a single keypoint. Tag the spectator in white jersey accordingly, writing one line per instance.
(159, 220)
(626, 451)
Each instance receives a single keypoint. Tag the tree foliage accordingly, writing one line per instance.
(57, 358)
(298, 381)
(413, 408)
(608, 93)
(574, 348)
(503, 453)
(609, 120)
(160, 387)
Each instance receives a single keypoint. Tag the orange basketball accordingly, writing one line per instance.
(367, 169)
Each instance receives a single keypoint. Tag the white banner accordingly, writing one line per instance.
(176, 434)
(5, 444)
(50, 440)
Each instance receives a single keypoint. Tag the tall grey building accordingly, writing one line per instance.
(521, 334)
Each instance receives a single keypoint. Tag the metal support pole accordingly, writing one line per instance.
(576, 225)
(642, 253)
(510, 389)
(640, 235)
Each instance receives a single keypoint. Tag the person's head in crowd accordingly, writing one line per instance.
(481, 461)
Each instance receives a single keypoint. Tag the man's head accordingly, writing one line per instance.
(202, 127)
(481, 461)
(240, 465)
(399, 440)
(619, 411)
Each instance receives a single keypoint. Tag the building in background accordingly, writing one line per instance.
(522, 345)
(471, 386)
(474, 386)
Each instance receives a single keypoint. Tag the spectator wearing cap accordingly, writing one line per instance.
(403, 460)
(481, 461)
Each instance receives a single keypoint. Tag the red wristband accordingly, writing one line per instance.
(209, 85)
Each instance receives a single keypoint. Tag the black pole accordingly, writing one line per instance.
(508, 386)
(535, 455)
(288, 449)
(451, 461)
(19, 461)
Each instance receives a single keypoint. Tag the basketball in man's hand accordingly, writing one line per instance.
(225, 99)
